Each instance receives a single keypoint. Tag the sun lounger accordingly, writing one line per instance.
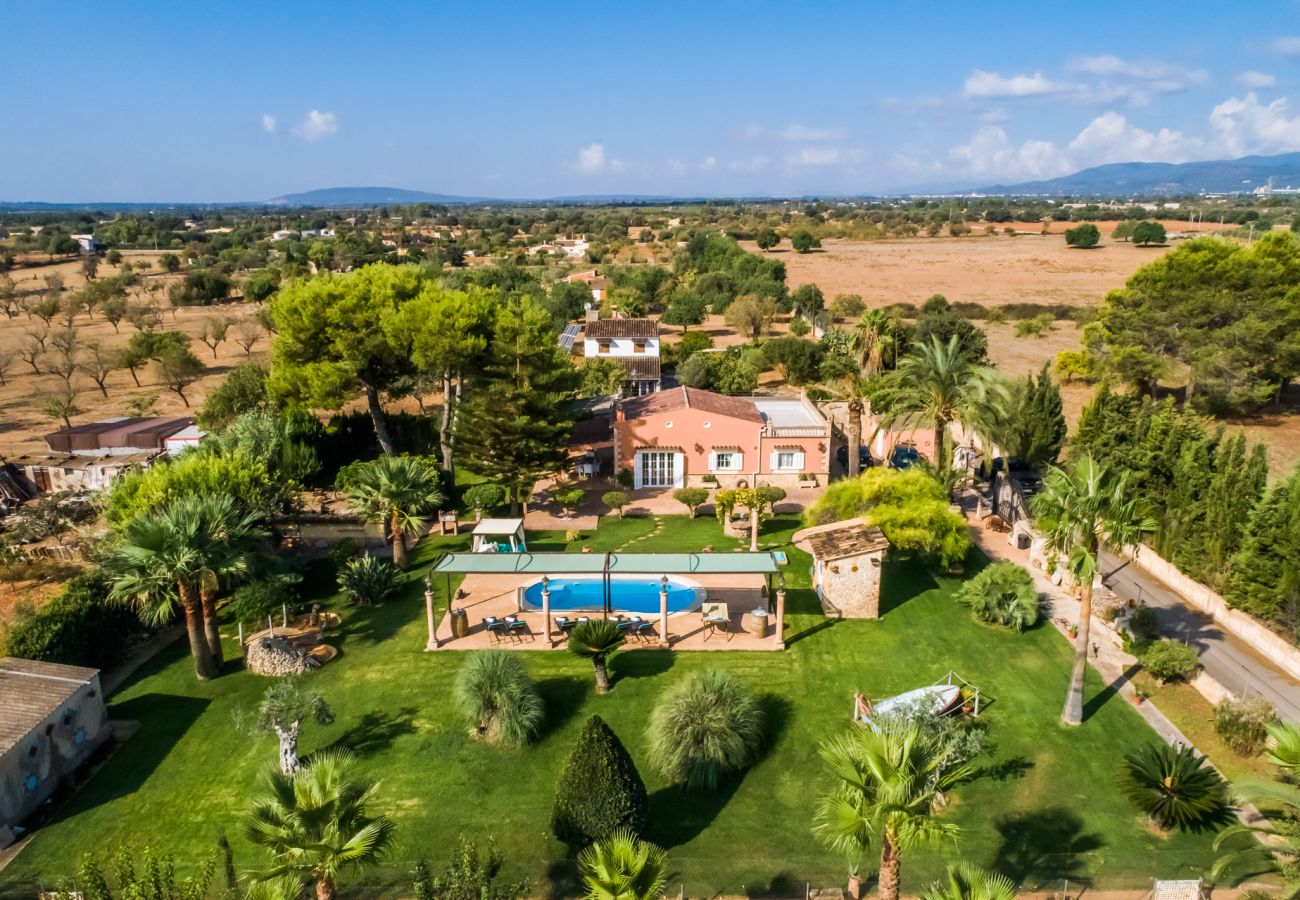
(518, 628)
(495, 627)
(716, 617)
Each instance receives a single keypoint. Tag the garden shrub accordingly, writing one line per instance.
(704, 728)
(1243, 724)
(484, 497)
(1143, 625)
(1002, 594)
(599, 789)
(77, 627)
(616, 500)
(368, 580)
(691, 498)
(493, 689)
(471, 875)
(570, 499)
(1169, 660)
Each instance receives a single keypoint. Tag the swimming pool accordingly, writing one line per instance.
(636, 594)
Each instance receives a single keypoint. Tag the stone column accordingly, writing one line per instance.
(663, 619)
(428, 612)
(778, 640)
(546, 613)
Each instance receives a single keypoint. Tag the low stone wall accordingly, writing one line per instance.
(1254, 633)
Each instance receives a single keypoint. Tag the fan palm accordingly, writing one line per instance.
(855, 390)
(1173, 786)
(595, 640)
(704, 728)
(940, 383)
(877, 341)
(623, 867)
(1285, 752)
(1267, 848)
(887, 784)
(494, 690)
(315, 825)
(396, 492)
(966, 881)
(1080, 511)
(180, 554)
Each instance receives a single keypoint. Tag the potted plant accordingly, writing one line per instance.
(1138, 696)
(710, 481)
(967, 700)
(855, 884)
(1072, 630)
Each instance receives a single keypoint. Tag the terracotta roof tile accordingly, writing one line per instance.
(693, 398)
(623, 328)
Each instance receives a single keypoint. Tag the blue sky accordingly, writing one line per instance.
(244, 101)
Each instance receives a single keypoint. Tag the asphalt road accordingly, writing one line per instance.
(1225, 657)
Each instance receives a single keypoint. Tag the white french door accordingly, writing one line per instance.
(658, 469)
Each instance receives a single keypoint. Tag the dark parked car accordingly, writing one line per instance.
(904, 456)
(864, 456)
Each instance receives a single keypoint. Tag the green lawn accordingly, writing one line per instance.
(1044, 807)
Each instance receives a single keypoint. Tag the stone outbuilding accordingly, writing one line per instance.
(847, 558)
(52, 718)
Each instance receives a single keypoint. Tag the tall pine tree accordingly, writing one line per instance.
(1266, 570)
(515, 428)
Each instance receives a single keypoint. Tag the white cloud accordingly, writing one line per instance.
(1165, 77)
(1110, 138)
(317, 126)
(592, 159)
(709, 163)
(991, 84)
(1286, 46)
(817, 156)
(1252, 79)
(268, 123)
(990, 153)
(802, 133)
(1244, 126)
(752, 164)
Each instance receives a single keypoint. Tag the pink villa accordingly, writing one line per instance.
(688, 437)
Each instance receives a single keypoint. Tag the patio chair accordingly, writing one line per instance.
(717, 617)
(565, 624)
(631, 627)
(495, 627)
(645, 630)
(518, 628)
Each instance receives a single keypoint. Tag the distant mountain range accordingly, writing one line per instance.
(386, 196)
(1213, 176)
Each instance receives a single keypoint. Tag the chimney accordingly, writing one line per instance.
(592, 313)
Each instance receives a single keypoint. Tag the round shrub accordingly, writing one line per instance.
(570, 499)
(600, 790)
(1002, 594)
(704, 728)
(368, 580)
(1169, 660)
(484, 497)
(1243, 724)
(493, 689)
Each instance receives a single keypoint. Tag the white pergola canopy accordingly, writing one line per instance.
(499, 536)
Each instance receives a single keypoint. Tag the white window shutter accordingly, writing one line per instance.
(738, 462)
(679, 469)
(798, 460)
(775, 462)
(713, 461)
(636, 470)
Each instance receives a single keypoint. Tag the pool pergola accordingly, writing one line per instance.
(606, 565)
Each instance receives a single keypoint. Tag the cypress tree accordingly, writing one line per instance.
(1266, 570)
(599, 790)
(1042, 428)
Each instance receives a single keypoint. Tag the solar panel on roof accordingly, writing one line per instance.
(569, 336)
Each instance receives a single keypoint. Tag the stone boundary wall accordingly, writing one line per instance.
(1264, 641)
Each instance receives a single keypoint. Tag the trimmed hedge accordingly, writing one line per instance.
(600, 789)
(78, 627)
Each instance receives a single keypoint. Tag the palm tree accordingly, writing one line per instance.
(966, 881)
(855, 390)
(938, 384)
(1173, 786)
(314, 822)
(888, 782)
(1080, 511)
(595, 640)
(493, 689)
(1285, 752)
(623, 867)
(396, 492)
(1272, 847)
(180, 554)
(877, 342)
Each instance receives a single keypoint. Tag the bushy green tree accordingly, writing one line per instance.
(908, 505)
(704, 729)
(494, 691)
(484, 497)
(1145, 233)
(1002, 594)
(1266, 570)
(1033, 428)
(1083, 237)
(803, 241)
(1169, 660)
(600, 790)
(242, 390)
(284, 707)
(691, 498)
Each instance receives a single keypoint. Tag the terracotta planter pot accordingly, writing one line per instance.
(855, 888)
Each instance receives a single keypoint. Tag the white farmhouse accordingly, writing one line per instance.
(634, 343)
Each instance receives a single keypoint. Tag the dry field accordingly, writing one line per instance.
(22, 422)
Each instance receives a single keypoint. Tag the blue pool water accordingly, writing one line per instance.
(587, 594)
